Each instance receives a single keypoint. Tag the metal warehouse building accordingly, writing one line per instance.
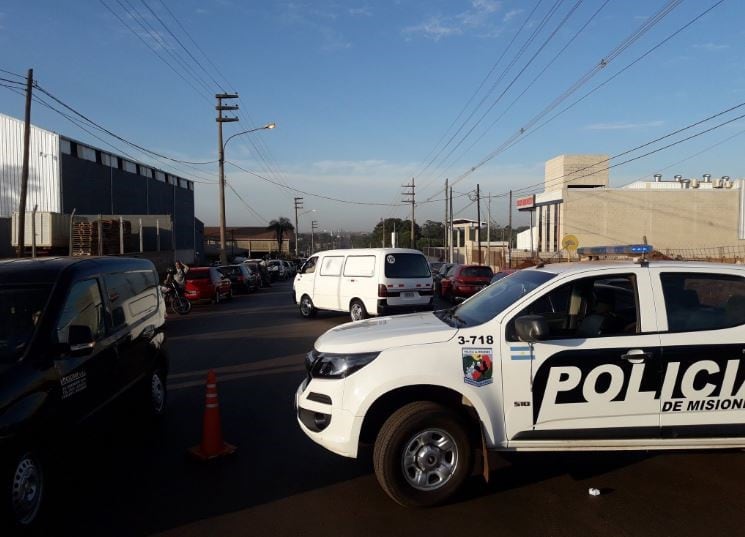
(692, 217)
(67, 175)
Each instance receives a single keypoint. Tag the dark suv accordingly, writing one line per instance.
(75, 334)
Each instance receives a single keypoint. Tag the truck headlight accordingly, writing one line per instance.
(339, 366)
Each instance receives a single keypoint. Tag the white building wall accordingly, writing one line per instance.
(44, 173)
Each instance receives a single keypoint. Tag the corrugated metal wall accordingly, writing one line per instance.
(43, 179)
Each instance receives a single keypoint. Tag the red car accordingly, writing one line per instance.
(463, 281)
(207, 283)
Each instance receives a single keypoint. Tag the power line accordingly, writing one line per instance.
(628, 41)
(153, 49)
(531, 84)
(514, 61)
(162, 23)
(114, 135)
(251, 209)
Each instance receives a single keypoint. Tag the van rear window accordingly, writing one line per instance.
(406, 266)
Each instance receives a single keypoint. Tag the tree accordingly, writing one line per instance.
(402, 227)
(280, 227)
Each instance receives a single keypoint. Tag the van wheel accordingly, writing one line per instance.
(158, 394)
(307, 309)
(422, 454)
(357, 310)
(23, 490)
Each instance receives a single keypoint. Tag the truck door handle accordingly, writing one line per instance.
(636, 356)
(352, 280)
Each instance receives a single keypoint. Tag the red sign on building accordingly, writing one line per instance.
(528, 202)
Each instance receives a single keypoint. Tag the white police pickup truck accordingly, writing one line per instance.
(574, 356)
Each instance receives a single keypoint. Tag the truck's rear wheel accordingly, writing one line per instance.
(422, 454)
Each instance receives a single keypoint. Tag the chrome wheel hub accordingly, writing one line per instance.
(430, 459)
(157, 393)
(26, 490)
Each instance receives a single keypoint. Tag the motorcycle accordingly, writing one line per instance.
(177, 302)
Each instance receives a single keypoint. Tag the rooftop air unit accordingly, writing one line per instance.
(694, 183)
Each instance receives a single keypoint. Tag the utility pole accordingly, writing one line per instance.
(24, 169)
(445, 223)
(313, 227)
(488, 230)
(410, 197)
(509, 244)
(221, 159)
(450, 231)
(478, 220)
(298, 205)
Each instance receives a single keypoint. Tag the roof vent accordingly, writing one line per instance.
(658, 178)
(717, 183)
(707, 178)
(694, 183)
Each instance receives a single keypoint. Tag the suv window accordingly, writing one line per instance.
(83, 307)
(698, 301)
(586, 308)
(20, 310)
(406, 266)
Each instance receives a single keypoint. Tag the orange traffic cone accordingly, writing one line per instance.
(212, 445)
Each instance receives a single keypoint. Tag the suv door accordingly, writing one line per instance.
(86, 371)
(703, 352)
(596, 375)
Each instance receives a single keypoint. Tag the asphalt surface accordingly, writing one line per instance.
(120, 476)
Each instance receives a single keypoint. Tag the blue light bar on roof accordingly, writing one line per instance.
(629, 249)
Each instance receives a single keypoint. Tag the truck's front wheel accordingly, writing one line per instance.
(422, 454)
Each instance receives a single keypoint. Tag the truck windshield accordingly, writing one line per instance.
(406, 266)
(20, 311)
(493, 300)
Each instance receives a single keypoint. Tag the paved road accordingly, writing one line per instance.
(121, 480)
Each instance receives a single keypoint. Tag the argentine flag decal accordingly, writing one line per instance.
(520, 352)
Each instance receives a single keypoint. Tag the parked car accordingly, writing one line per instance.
(463, 281)
(207, 283)
(439, 275)
(501, 274)
(444, 281)
(277, 270)
(290, 269)
(242, 278)
(75, 334)
(260, 268)
(375, 281)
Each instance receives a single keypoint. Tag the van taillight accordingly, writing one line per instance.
(382, 290)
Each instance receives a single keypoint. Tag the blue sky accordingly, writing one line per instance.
(364, 93)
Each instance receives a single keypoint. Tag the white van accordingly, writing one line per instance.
(364, 282)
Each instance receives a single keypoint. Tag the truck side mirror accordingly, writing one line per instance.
(81, 340)
(531, 328)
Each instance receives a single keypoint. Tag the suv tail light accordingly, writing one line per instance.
(382, 290)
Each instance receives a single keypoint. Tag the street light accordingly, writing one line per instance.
(221, 160)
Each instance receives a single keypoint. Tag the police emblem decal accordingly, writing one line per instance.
(477, 366)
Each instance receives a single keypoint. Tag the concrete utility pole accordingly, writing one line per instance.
(488, 230)
(410, 197)
(445, 223)
(24, 170)
(221, 159)
(298, 205)
(509, 238)
(478, 220)
(450, 231)
(313, 227)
